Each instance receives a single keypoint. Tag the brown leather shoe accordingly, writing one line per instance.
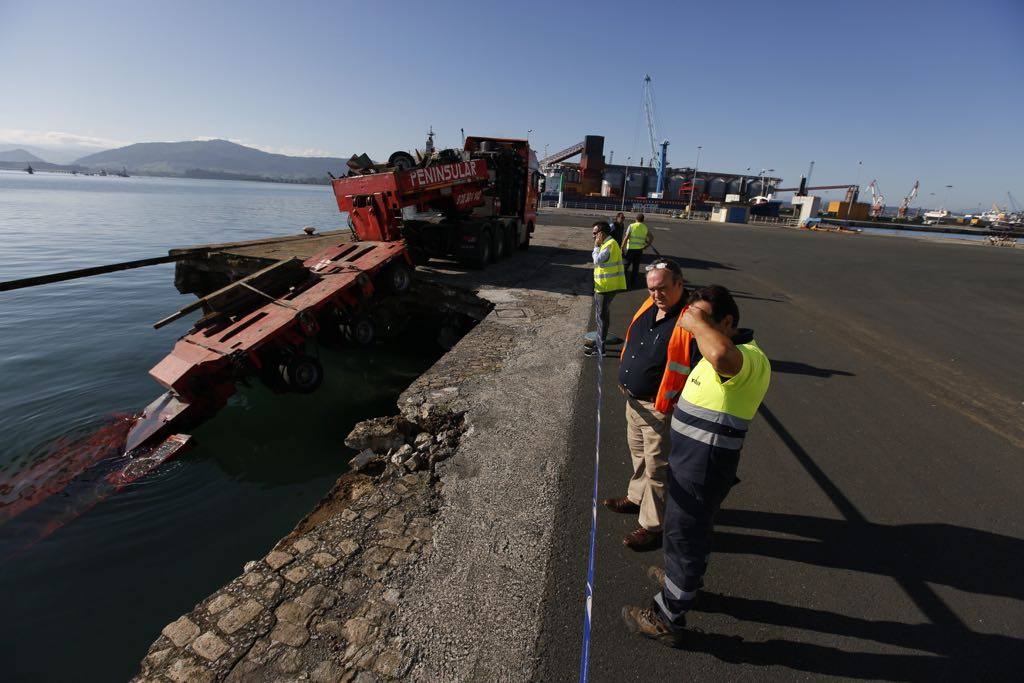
(648, 623)
(656, 574)
(643, 539)
(623, 505)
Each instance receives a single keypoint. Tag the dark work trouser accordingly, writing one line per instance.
(690, 510)
(633, 257)
(603, 307)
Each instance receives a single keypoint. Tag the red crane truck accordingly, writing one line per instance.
(477, 204)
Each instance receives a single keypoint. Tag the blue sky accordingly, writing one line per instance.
(928, 90)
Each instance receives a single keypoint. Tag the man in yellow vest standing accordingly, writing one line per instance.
(654, 363)
(636, 239)
(609, 279)
(709, 424)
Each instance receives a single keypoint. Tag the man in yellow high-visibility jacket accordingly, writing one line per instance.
(709, 427)
(637, 238)
(609, 279)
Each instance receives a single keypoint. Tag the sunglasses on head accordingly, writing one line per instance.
(661, 266)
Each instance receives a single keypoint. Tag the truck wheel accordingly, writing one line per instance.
(419, 256)
(361, 331)
(525, 244)
(511, 237)
(483, 249)
(397, 277)
(302, 374)
(448, 337)
(498, 243)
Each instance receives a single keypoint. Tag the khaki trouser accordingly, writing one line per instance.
(648, 435)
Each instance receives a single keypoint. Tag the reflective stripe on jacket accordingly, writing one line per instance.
(677, 365)
(610, 276)
(637, 236)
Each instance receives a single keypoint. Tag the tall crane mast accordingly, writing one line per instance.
(652, 133)
(877, 200)
(902, 211)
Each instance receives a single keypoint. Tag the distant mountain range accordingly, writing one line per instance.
(212, 159)
(20, 155)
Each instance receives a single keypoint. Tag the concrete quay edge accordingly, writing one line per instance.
(430, 572)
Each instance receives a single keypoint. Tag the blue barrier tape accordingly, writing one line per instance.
(588, 609)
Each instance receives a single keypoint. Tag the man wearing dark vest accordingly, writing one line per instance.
(654, 363)
(709, 424)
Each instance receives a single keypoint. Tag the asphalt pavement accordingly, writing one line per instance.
(877, 532)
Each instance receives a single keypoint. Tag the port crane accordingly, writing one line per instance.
(877, 200)
(652, 132)
(1014, 206)
(902, 211)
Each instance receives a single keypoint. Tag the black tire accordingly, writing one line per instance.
(511, 237)
(419, 256)
(397, 277)
(525, 244)
(401, 161)
(361, 331)
(447, 337)
(498, 242)
(302, 374)
(483, 248)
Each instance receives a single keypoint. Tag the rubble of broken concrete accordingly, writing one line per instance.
(321, 601)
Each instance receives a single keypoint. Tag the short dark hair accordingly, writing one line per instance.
(722, 303)
(639, 218)
(599, 224)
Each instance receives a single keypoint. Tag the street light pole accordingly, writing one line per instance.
(856, 193)
(693, 184)
(624, 179)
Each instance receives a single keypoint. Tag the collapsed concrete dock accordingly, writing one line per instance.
(875, 534)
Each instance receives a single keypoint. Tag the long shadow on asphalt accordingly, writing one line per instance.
(791, 367)
(913, 555)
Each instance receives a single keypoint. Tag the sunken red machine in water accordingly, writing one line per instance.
(484, 195)
(259, 326)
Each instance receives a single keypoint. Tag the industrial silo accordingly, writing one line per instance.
(699, 188)
(734, 186)
(674, 186)
(614, 181)
(716, 189)
(755, 188)
(635, 185)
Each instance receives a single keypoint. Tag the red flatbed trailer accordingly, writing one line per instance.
(333, 288)
(484, 198)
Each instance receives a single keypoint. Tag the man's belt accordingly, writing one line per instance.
(647, 399)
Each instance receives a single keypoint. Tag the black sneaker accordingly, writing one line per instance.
(590, 351)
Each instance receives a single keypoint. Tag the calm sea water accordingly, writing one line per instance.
(87, 579)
